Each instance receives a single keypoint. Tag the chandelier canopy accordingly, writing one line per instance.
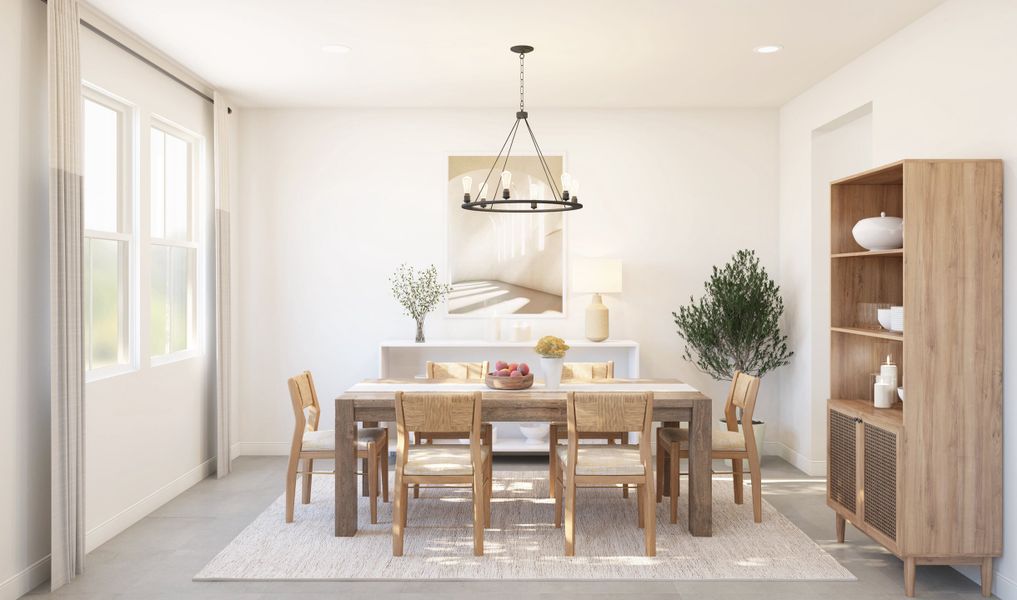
(564, 199)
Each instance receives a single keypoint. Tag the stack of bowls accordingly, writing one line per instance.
(897, 318)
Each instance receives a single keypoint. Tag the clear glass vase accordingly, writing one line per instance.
(420, 331)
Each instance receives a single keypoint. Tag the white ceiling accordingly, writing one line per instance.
(454, 53)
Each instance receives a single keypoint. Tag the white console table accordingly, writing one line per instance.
(406, 359)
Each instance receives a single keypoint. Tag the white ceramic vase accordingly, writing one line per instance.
(552, 371)
(879, 233)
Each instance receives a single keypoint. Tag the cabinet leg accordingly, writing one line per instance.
(987, 576)
(909, 577)
(840, 528)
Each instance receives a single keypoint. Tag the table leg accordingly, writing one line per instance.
(364, 466)
(700, 476)
(666, 486)
(345, 470)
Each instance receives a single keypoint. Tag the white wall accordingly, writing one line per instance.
(150, 433)
(24, 300)
(942, 87)
(334, 200)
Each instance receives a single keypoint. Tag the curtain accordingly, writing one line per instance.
(223, 354)
(67, 373)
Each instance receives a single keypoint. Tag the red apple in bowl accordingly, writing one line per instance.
(524, 369)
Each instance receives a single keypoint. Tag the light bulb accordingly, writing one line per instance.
(483, 192)
(506, 179)
(575, 189)
(467, 184)
(566, 182)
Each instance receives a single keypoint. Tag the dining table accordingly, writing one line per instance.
(372, 401)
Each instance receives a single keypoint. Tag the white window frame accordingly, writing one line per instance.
(127, 216)
(196, 147)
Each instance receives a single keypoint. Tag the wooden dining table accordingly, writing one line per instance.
(373, 401)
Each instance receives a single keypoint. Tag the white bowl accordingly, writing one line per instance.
(883, 315)
(879, 233)
(900, 393)
(535, 433)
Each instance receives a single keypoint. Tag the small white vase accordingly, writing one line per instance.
(552, 371)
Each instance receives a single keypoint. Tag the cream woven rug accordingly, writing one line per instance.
(522, 543)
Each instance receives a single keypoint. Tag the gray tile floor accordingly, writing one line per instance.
(156, 558)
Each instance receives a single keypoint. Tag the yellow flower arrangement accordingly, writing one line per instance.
(551, 347)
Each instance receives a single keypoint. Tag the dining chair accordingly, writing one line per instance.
(467, 371)
(441, 464)
(577, 372)
(599, 465)
(471, 371)
(731, 443)
(310, 444)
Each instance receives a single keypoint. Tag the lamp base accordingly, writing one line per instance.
(597, 320)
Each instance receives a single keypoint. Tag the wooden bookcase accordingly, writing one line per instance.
(924, 479)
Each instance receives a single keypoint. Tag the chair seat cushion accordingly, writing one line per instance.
(723, 440)
(324, 440)
(604, 460)
(442, 459)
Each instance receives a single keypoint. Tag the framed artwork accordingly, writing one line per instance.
(504, 264)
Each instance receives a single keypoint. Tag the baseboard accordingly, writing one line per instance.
(26, 580)
(1002, 586)
(807, 465)
(104, 532)
(264, 448)
(235, 451)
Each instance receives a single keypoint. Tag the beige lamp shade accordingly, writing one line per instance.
(597, 276)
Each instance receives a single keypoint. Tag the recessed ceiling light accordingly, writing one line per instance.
(335, 49)
(768, 49)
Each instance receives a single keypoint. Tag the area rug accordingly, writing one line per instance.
(522, 542)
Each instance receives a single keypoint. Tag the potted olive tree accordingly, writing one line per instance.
(735, 325)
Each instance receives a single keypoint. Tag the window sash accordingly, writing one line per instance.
(126, 196)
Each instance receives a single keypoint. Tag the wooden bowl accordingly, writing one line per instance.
(508, 383)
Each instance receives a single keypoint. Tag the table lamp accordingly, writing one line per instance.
(597, 276)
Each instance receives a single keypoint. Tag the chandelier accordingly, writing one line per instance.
(565, 199)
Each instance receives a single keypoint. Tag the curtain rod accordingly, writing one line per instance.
(145, 60)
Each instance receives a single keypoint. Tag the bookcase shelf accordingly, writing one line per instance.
(875, 333)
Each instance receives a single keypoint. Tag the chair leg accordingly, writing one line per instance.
(624, 439)
(660, 468)
(291, 485)
(642, 505)
(552, 458)
(308, 467)
(650, 525)
(399, 515)
(416, 487)
(570, 517)
(558, 493)
(488, 492)
(757, 489)
(383, 465)
(478, 511)
(675, 481)
(739, 482)
(372, 480)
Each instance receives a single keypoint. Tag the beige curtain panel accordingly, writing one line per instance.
(223, 355)
(67, 379)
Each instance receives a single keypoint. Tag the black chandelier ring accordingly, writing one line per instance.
(531, 206)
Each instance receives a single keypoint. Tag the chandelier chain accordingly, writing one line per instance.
(522, 104)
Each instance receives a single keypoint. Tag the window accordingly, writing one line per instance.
(174, 244)
(106, 199)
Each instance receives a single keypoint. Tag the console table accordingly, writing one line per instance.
(406, 360)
